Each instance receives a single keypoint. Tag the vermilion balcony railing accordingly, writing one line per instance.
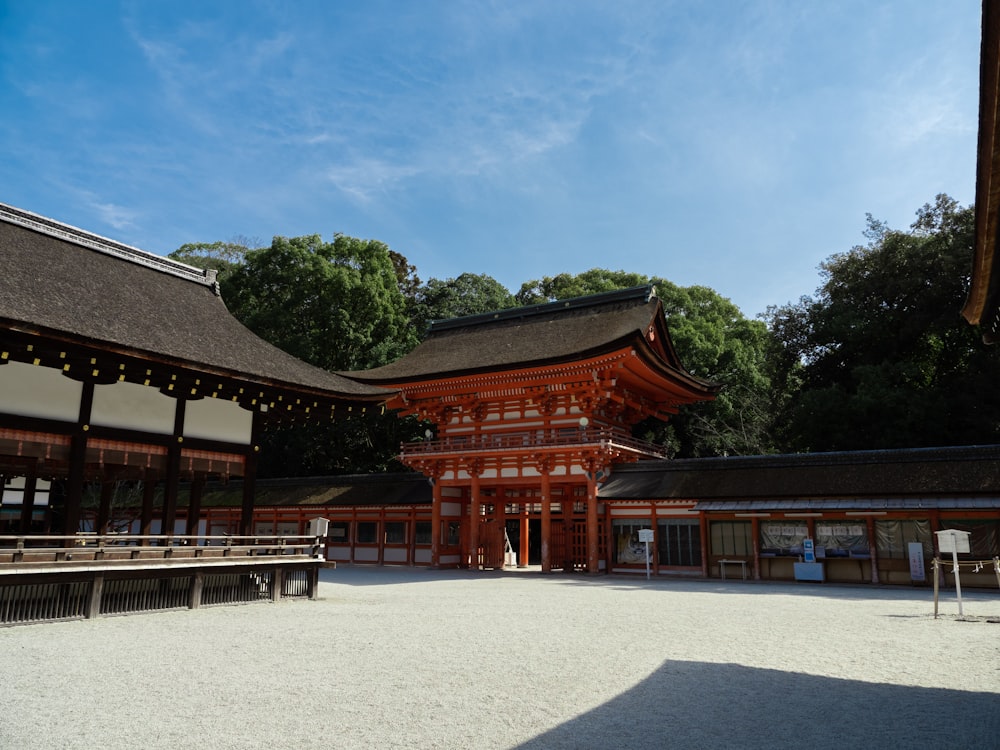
(535, 441)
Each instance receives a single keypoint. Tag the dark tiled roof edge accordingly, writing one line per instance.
(644, 292)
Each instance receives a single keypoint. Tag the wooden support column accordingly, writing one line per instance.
(755, 545)
(28, 500)
(703, 533)
(567, 504)
(593, 526)
(250, 478)
(546, 520)
(146, 514)
(522, 537)
(436, 523)
(172, 485)
(474, 521)
(873, 549)
(77, 457)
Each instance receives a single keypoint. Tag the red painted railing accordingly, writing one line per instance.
(535, 440)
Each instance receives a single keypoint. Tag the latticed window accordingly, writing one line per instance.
(731, 537)
(367, 532)
(678, 542)
(893, 537)
(395, 532)
(422, 532)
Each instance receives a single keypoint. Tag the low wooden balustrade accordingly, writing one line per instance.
(48, 578)
(541, 440)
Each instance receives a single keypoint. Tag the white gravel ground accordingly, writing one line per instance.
(413, 658)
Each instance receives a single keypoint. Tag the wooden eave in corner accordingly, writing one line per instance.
(983, 304)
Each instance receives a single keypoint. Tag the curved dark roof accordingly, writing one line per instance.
(361, 490)
(61, 281)
(770, 480)
(538, 335)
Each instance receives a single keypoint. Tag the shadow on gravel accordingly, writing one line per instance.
(701, 705)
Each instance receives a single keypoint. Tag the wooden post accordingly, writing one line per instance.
(28, 500)
(873, 549)
(474, 521)
(435, 523)
(250, 477)
(703, 533)
(197, 586)
(522, 537)
(96, 593)
(77, 458)
(593, 529)
(546, 521)
(755, 533)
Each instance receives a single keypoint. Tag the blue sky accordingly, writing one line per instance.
(734, 145)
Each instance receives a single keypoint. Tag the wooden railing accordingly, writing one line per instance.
(49, 578)
(18, 549)
(541, 440)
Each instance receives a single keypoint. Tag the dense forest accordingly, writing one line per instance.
(877, 357)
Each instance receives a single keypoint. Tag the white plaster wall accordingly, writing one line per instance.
(394, 555)
(43, 392)
(131, 406)
(215, 419)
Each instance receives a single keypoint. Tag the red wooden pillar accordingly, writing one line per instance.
(522, 544)
(546, 521)
(474, 521)
(873, 548)
(593, 528)
(755, 541)
(703, 533)
(435, 523)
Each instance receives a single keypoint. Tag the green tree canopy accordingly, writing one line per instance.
(335, 304)
(223, 257)
(882, 354)
(565, 285)
(466, 294)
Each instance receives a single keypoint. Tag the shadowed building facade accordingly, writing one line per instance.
(117, 365)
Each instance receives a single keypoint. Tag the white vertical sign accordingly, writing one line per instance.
(915, 551)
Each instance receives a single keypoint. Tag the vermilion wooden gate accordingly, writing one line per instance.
(492, 543)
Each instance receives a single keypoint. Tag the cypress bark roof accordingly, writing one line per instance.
(362, 490)
(62, 282)
(835, 480)
(539, 335)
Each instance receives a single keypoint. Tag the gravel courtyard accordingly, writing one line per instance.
(413, 658)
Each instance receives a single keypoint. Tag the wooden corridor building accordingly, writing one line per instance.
(117, 365)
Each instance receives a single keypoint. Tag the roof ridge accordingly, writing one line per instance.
(645, 292)
(91, 241)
